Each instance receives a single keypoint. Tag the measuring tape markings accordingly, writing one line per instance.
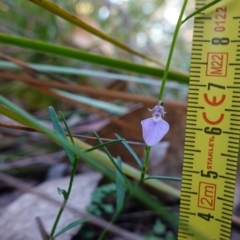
(212, 129)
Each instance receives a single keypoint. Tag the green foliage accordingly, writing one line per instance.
(159, 227)
(97, 207)
(159, 232)
(70, 226)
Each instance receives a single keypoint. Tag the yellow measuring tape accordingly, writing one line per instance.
(213, 124)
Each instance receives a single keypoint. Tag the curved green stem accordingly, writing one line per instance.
(165, 75)
(199, 10)
(57, 220)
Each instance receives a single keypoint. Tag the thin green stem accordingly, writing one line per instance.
(57, 219)
(165, 74)
(72, 178)
(65, 200)
(145, 165)
(66, 197)
(68, 130)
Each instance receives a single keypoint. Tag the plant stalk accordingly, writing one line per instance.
(165, 74)
(65, 199)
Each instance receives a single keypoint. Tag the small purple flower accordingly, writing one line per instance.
(154, 128)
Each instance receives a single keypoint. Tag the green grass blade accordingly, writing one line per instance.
(68, 52)
(53, 8)
(9, 113)
(113, 108)
(120, 191)
(34, 123)
(83, 72)
(131, 151)
(59, 130)
(69, 226)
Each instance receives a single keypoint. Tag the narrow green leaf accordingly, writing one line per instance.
(105, 144)
(69, 226)
(108, 153)
(114, 162)
(176, 179)
(59, 50)
(131, 151)
(120, 191)
(59, 130)
(93, 102)
(78, 22)
(66, 125)
(62, 192)
(84, 72)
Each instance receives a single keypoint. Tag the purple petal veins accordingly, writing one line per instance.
(154, 128)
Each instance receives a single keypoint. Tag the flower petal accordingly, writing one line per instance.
(153, 131)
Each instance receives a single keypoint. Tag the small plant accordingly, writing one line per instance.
(159, 232)
(153, 130)
(98, 207)
(121, 174)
